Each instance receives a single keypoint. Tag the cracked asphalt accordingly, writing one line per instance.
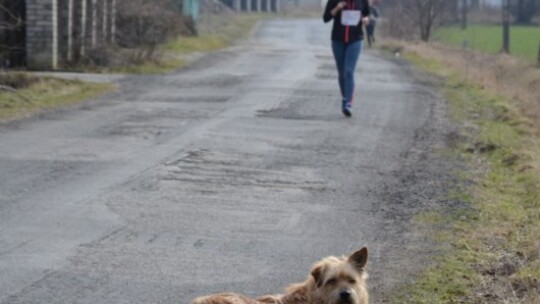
(235, 174)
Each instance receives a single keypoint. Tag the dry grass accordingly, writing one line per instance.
(36, 94)
(501, 74)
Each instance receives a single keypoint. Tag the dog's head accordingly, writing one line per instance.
(340, 280)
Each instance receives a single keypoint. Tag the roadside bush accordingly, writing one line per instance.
(415, 19)
(105, 56)
(16, 80)
(143, 25)
(395, 26)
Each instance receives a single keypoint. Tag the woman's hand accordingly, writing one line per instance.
(365, 21)
(339, 7)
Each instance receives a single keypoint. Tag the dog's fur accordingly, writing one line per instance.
(333, 280)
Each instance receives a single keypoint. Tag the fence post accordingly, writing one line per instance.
(94, 23)
(538, 57)
(55, 34)
(84, 12)
(113, 22)
(105, 9)
(506, 27)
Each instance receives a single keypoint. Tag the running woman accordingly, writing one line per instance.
(347, 36)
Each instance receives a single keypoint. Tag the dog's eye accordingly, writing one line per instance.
(352, 281)
(331, 282)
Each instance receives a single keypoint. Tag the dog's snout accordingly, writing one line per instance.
(344, 294)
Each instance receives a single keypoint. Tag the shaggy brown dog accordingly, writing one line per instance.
(333, 280)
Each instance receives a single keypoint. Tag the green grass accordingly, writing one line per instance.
(489, 253)
(524, 40)
(46, 93)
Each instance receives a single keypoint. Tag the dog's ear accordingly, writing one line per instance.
(359, 258)
(317, 274)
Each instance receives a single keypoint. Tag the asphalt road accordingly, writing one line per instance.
(235, 174)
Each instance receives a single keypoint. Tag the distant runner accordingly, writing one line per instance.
(370, 28)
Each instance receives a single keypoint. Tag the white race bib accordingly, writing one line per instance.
(350, 17)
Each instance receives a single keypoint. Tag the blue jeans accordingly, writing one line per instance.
(346, 56)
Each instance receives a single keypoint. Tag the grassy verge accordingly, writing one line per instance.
(488, 38)
(216, 32)
(489, 252)
(43, 93)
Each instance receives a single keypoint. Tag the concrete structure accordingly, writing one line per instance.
(41, 33)
(255, 5)
(63, 31)
(59, 31)
(191, 8)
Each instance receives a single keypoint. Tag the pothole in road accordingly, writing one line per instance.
(217, 81)
(324, 57)
(299, 108)
(136, 130)
(149, 125)
(326, 75)
(316, 93)
(327, 67)
(201, 99)
(172, 113)
(178, 98)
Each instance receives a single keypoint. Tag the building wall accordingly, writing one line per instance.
(41, 38)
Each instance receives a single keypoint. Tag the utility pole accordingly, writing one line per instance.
(538, 58)
(506, 27)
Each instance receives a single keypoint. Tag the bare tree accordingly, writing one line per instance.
(428, 14)
(142, 26)
(405, 17)
(9, 20)
(11, 31)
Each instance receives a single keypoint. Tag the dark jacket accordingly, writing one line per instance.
(343, 33)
